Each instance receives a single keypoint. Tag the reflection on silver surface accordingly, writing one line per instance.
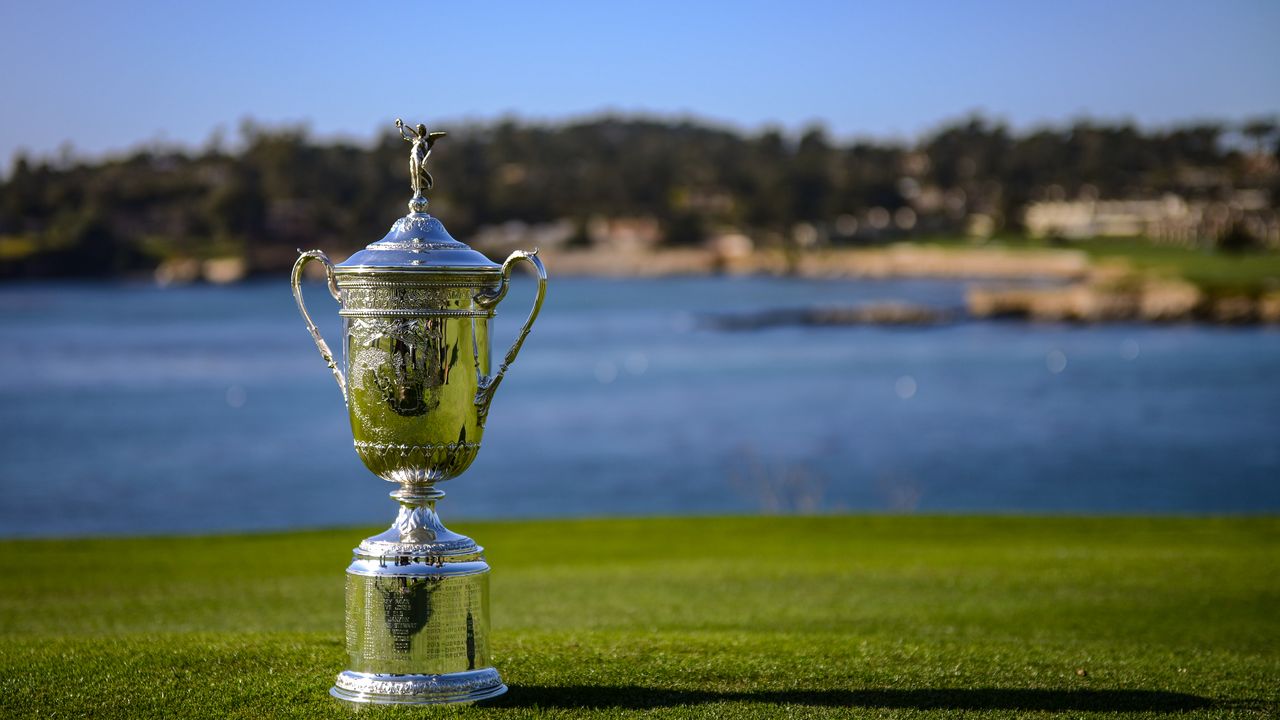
(416, 378)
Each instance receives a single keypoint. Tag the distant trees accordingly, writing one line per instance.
(1262, 131)
(281, 189)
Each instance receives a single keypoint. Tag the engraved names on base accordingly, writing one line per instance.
(417, 624)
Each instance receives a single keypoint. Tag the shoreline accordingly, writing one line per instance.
(902, 260)
(1109, 282)
(1009, 283)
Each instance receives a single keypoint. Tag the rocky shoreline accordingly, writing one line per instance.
(1147, 300)
(1154, 302)
(899, 314)
(893, 261)
(1009, 284)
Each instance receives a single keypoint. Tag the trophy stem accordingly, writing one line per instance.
(415, 494)
(417, 521)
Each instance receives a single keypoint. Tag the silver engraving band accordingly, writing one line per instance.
(418, 689)
(383, 313)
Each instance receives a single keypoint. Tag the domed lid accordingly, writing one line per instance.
(418, 242)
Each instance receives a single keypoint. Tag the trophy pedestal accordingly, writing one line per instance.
(418, 617)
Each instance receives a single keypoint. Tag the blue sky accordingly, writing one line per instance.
(109, 76)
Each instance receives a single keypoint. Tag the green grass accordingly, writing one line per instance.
(752, 617)
(1219, 273)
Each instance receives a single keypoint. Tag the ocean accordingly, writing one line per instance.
(129, 409)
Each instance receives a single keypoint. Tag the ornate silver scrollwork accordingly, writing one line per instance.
(405, 463)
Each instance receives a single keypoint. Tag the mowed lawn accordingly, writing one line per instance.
(728, 617)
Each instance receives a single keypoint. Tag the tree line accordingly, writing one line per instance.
(279, 188)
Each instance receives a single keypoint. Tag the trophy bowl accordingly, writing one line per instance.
(415, 373)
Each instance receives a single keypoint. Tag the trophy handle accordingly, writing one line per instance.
(489, 299)
(321, 345)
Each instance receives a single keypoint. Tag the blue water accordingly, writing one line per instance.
(132, 409)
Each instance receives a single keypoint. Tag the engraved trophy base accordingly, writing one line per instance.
(418, 614)
(464, 687)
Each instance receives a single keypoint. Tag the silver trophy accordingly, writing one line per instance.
(417, 311)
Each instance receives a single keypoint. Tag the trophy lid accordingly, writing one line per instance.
(418, 242)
